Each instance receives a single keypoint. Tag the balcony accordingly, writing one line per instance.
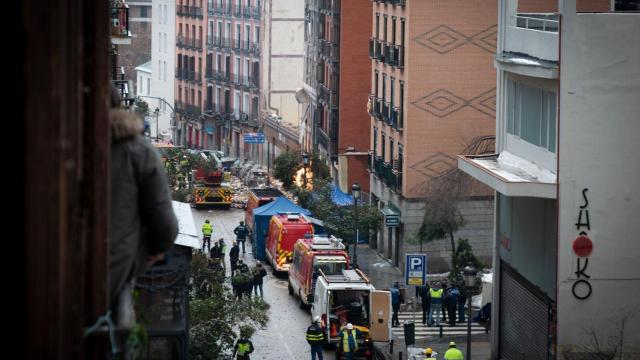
(189, 43)
(256, 13)
(373, 43)
(237, 12)
(378, 54)
(189, 11)
(254, 83)
(386, 53)
(385, 113)
(186, 109)
(120, 34)
(377, 164)
(397, 56)
(254, 48)
(531, 34)
(208, 74)
(246, 12)
(210, 108)
(396, 120)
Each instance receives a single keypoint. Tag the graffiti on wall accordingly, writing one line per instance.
(582, 247)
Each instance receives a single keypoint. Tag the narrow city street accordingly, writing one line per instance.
(284, 336)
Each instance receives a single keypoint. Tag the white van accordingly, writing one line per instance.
(349, 297)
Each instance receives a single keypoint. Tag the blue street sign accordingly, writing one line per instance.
(415, 269)
(254, 138)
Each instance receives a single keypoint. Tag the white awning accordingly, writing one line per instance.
(510, 175)
(187, 234)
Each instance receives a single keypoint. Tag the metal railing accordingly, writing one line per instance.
(256, 13)
(373, 42)
(190, 11)
(396, 118)
(537, 21)
(397, 56)
(385, 112)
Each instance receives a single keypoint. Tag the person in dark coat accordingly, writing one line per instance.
(259, 272)
(142, 224)
(444, 287)
(395, 303)
(241, 232)
(234, 255)
(426, 301)
(452, 302)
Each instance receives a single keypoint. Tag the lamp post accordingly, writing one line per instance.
(355, 192)
(157, 112)
(305, 165)
(469, 274)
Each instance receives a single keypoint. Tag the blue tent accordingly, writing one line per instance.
(262, 216)
(340, 198)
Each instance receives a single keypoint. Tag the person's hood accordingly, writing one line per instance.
(124, 123)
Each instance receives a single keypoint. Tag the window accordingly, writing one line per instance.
(159, 67)
(384, 87)
(400, 157)
(375, 84)
(401, 95)
(164, 72)
(403, 22)
(375, 140)
(390, 150)
(257, 32)
(385, 28)
(377, 25)
(391, 85)
(144, 11)
(393, 30)
(531, 114)
(238, 30)
(382, 146)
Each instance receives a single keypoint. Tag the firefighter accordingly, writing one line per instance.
(241, 232)
(349, 341)
(207, 229)
(453, 353)
(243, 346)
(315, 338)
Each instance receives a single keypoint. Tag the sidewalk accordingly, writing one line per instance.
(480, 347)
(383, 274)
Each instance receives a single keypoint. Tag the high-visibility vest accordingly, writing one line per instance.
(345, 341)
(453, 354)
(207, 229)
(435, 294)
(243, 348)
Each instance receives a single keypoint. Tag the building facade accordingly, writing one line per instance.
(139, 52)
(567, 105)
(163, 55)
(282, 63)
(432, 96)
(232, 74)
(191, 27)
(336, 79)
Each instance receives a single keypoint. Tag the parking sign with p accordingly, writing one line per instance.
(415, 273)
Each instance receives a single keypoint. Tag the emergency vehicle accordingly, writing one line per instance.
(257, 198)
(211, 188)
(349, 297)
(320, 252)
(284, 231)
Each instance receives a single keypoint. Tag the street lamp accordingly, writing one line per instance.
(157, 112)
(355, 192)
(469, 274)
(305, 165)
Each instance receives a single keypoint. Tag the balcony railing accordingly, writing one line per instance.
(208, 73)
(378, 54)
(540, 22)
(188, 43)
(187, 109)
(385, 112)
(396, 118)
(190, 11)
(246, 12)
(386, 52)
(397, 56)
(373, 42)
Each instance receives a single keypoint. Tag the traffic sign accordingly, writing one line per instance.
(415, 269)
(254, 138)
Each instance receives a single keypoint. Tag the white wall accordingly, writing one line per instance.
(599, 132)
(163, 52)
(283, 57)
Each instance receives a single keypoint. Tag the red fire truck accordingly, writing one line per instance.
(284, 231)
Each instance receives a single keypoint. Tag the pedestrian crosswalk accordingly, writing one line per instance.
(422, 331)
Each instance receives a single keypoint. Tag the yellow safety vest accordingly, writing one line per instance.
(435, 294)
(453, 354)
(207, 229)
(345, 341)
